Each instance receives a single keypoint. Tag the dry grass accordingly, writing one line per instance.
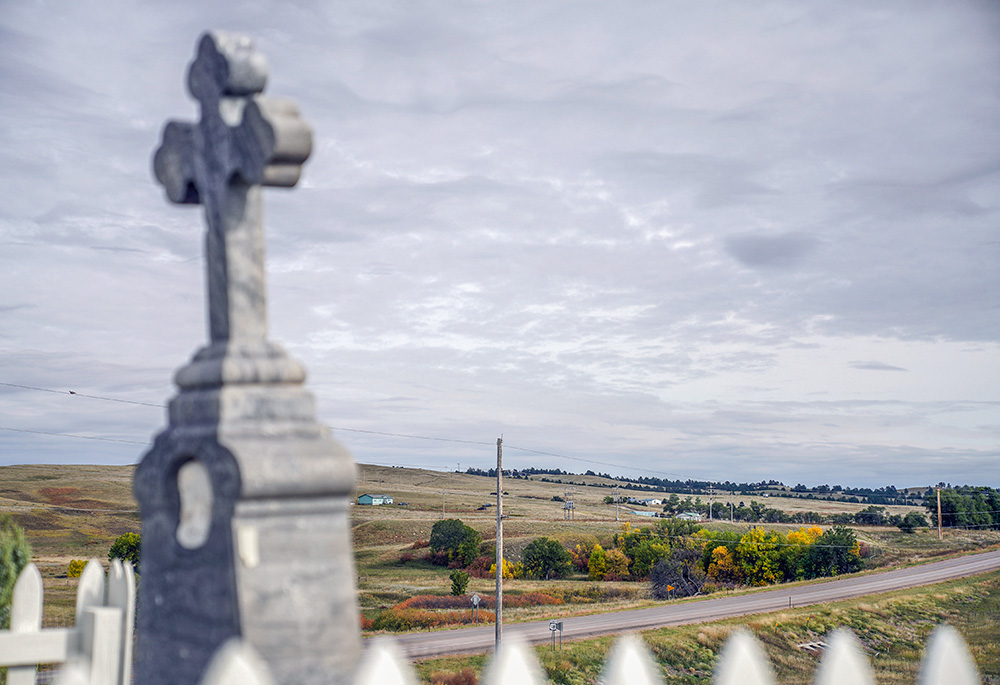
(76, 512)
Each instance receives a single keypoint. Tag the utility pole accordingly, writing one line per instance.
(939, 511)
(499, 622)
(730, 506)
(442, 504)
(711, 496)
(618, 499)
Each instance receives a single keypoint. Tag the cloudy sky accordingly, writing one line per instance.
(713, 240)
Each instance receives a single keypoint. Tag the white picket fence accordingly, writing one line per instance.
(742, 662)
(98, 647)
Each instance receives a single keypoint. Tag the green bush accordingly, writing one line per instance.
(836, 551)
(459, 582)
(912, 521)
(545, 558)
(451, 540)
(127, 547)
(15, 553)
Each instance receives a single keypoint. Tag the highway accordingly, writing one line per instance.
(472, 640)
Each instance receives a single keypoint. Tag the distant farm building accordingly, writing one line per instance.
(689, 516)
(374, 500)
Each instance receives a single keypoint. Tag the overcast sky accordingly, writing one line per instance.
(713, 240)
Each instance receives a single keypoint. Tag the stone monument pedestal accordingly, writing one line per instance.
(244, 495)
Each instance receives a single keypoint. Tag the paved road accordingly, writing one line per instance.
(471, 640)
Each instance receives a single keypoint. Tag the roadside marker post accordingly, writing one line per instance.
(553, 627)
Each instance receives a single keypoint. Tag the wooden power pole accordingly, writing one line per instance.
(499, 622)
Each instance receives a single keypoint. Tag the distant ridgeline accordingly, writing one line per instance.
(884, 495)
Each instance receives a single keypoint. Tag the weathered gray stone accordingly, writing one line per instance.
(244, 495)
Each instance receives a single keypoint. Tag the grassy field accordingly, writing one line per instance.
(76, 512)
(68, 512)
(893, 628)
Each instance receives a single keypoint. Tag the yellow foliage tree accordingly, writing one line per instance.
(724, 568)
(580, 554)
(76, 567)
(616, 564)
(509, 570)
(805, 536)
(597, 565)
(758, 556)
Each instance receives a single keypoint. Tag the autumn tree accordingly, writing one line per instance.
(580, 554)
(723, 568)
(597, 565)
(757, 555)
(616, 565)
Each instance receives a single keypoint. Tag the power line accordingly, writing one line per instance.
(81, 394)
(72, 435)
(594, 461)
(337, 428)
(415, 437)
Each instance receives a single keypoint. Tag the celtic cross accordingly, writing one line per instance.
(243, 141)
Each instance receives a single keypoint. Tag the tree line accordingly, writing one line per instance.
(757, 512)
(966, 507)
(886, 495)
(678, 557)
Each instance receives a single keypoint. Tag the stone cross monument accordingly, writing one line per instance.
(244, 496)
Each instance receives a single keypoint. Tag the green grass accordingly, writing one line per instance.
(893, 628)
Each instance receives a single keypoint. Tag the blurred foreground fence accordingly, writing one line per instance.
(947, 662)
(97, 650)
(98, 646)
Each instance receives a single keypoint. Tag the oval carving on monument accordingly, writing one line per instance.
(194, 486)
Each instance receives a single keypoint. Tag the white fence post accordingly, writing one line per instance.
(743, 662)
(844, 662)
(236, 663)
(947, 660)
(383, 663)
(100, 642)
(515, 664)
(629, 663)
(121, 595)
(96, 651)
(25, 617)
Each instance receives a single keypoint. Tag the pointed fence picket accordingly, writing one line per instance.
(742, 662)
(98, 648)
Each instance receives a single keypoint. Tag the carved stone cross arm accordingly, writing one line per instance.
(242, 142)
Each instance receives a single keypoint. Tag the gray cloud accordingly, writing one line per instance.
(647, 235)
(875, 366)
(771, 251)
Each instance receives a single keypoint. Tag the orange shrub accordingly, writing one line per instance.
(464, 677)
(396, 619)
